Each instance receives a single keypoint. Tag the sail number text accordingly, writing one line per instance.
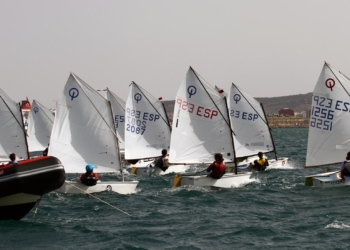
(137, 120)
(117, 119)
(199, 111)
(243, 115)
(322, 112)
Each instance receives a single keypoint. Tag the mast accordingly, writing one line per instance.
(233, 143)
(78, 82)
(273, 142)
(166, 121)
(116, 143)
(166, 116)
(330, 68)
(206, 91)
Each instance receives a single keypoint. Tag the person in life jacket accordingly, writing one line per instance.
(89, 178)
(345, 168)
(261, 164)
(163, 161)
(12, 158)
(218, 167)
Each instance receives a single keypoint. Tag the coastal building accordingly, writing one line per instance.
(286, 112)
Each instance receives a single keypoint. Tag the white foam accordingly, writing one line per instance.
(338, 225)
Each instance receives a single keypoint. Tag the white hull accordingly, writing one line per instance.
(147, 170)
(172, 169)
(279, 163)
(120, 187)
(142, 167)
(227, 181)
(141, 170)
(326, 180)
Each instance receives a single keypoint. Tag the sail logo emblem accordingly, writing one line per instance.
(330, 83)
(191, 90)
(36, 110)
(237, 98)
(137, 97)
(73, 93)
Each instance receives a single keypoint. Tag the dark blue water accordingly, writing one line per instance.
(275, 212)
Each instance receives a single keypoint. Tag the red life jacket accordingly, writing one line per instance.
(218, 170)
(89, 180)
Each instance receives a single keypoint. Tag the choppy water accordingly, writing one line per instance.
(275, 212)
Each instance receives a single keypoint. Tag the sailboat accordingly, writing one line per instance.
(23, 183)
(147, 131)
(329, 130)
(12, 133)
(83, 133)
(40, 122)
(250, 125)
(201, 127)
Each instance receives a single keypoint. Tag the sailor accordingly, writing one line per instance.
(163, 161)
(89, 178)
(218, 167)
(261, 164)
(345, 168)
(13, 159)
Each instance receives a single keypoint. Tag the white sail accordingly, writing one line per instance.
(83, 130)
(248, 121)
(118, 108)
(147, 130)
(200, 124)
(329, 130)
(40, 122)
(12, 135)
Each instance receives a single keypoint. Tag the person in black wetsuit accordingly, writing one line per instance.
(345, 168)
(163, 161)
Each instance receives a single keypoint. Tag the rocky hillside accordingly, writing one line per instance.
(271, 105)
(298, 103)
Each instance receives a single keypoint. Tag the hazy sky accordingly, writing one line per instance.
(268, 48)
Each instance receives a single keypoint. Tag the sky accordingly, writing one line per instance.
(268, 48)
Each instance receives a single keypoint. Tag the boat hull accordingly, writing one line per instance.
(15, 207)
(227, 181)
(147, 170)
(172, 169)
(279, 163)
(326, 180)
(120, 187)
(22, 184)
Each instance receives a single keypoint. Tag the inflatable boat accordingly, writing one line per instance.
(23, 183)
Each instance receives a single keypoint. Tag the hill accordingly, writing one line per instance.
(298, 103)
(272, 105)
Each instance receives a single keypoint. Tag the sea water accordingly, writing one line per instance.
(276, 211)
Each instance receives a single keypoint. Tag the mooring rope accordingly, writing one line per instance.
(98, 199)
